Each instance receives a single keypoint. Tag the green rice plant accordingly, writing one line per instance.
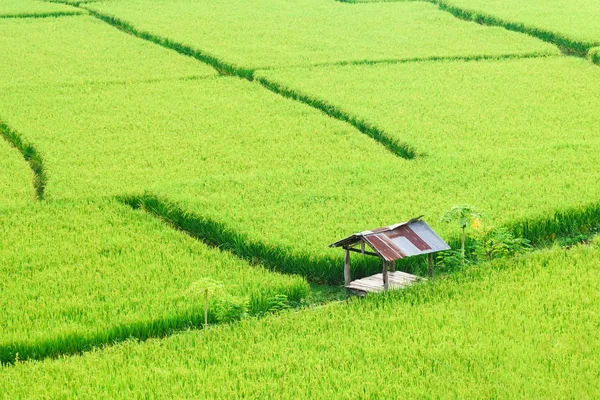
(222, 67)
(16, 178)
(512, 328)
(34, 8)
(249, 36)
(88, 274)
(56, 52)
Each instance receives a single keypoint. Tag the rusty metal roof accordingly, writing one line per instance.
(406, 239)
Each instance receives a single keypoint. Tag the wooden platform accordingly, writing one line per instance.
(374, 283)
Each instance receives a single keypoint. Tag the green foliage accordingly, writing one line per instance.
(510, 328)
(206, 286)
(451, 261)
(278, 303)
(231, 309)
(464, 215)
(500, 243)
(16, 178)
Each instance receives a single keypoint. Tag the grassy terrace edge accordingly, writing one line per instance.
(219, 235)
(77, 343)
(221, 67)
(429, 59)
(402, 150)
(54, 14)
(571, 225)
(567, 45)
(31, 155)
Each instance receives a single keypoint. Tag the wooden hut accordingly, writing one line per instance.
(391, 243)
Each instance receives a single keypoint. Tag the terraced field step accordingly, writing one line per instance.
(110, 274)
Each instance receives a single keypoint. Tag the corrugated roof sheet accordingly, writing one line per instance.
(407, 239)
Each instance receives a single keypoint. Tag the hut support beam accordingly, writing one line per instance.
(347, 277)
(430, 264)
(385, 275)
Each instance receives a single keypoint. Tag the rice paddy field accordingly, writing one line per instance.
(15, 179)
(167, 161)
(35, 9)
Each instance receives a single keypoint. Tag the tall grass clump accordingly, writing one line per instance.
(594, 55)
(570, 223)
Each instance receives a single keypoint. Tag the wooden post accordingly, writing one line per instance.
(362, 248)
(393, 266)
(205, 308)
(347, 277)
(385, 275)
(430, 262)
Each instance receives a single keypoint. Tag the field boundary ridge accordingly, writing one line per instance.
(566, 45)
(541, 231)
(401, 150)
(219, 235)
(594, 55)
(52, 14)
(482, 57)
(77, 343)
(31, 155)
